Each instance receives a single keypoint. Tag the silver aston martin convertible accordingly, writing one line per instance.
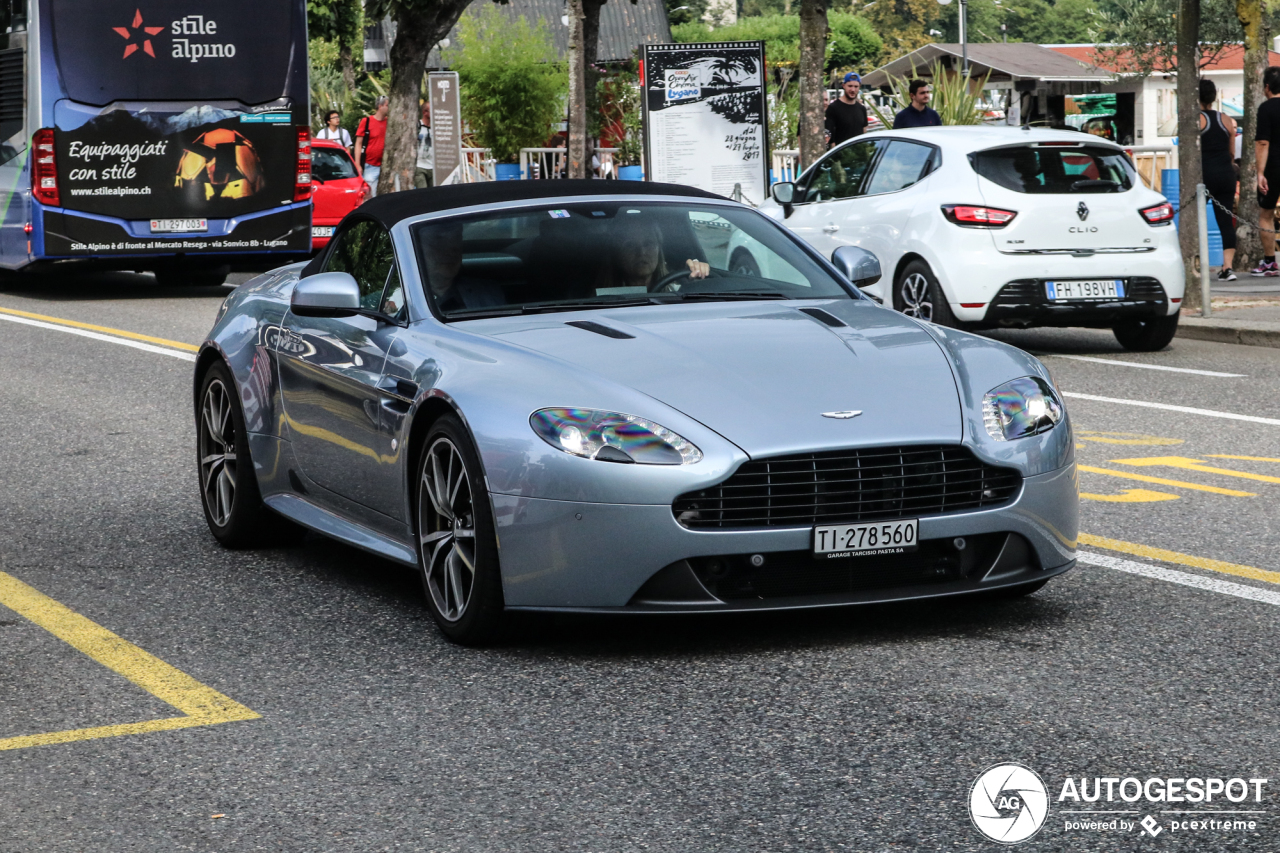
(559, 395)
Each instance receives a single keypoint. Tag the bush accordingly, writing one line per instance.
(513, 87)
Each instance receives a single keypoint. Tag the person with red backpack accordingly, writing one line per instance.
(371, 138)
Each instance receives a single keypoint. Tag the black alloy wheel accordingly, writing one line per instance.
(229, 492)
(457, 542)
(743, 263)
(1146, 335)
(917, 294)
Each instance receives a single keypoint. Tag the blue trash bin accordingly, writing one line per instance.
(1170, 186)
(506, 171)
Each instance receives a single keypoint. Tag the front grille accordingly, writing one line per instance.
(849, 485)
(1031, 291)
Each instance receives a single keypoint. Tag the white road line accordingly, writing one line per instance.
(1239, 590)
(1145, 366)
(111, 339)
(1253, 419)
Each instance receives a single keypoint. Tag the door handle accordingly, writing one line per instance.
(399, 387)
(831, 228)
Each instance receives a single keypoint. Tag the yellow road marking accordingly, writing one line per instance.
(120, 333)
(1131, 496)
(1160, 481)
(1181, 559)
(1246, 458)
(199, 704)
(1192, 465)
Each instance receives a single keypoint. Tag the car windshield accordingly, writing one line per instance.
(597, 254)
(330, 164)
(1055, 169)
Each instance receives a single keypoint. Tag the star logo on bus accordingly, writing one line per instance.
(130, 32)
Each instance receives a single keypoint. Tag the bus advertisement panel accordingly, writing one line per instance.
(174, 129)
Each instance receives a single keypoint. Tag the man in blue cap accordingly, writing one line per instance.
(846, 115)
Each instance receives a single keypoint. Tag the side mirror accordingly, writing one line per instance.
(858, 265)
(784, 192)
(329, 294)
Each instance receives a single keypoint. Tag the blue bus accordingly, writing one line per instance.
(163, 135)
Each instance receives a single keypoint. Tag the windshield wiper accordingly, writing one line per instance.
(712, 295)
(546, 308)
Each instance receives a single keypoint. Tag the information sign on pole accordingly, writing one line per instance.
(446, 125)
(706, 120)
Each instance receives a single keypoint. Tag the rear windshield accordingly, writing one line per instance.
(598, 254)
(329, 164)
(1055, 170)
(175, 50)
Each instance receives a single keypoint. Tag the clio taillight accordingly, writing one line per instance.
(44, 168)
(978, 216)
(1158, 214)
(302, 187)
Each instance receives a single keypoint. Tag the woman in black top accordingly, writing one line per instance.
(1218, 154)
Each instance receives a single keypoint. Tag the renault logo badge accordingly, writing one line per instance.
(843, 416)
(1082, 211)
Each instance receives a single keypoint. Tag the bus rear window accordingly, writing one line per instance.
(1054, 170)
(176, 50)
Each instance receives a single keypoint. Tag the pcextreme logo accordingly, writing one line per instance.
(184, 47)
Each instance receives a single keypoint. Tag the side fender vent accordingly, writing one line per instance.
(600, 329)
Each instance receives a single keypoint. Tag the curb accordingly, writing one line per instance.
(1230, 331)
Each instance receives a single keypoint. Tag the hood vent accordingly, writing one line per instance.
(601, 329)
(823, 317)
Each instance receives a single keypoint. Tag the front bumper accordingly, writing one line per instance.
(576, 556)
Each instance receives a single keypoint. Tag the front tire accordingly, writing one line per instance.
(457, 540)
(1147, 335)
(917, 294)
(743, 263)
(229, 492)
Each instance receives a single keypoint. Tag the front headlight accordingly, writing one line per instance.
(1023, 407)
(612, 437)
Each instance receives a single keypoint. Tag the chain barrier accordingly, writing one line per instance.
(1238, 219)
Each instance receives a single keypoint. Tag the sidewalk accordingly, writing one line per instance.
(1244, 312)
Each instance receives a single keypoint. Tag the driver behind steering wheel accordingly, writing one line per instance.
(636, 258)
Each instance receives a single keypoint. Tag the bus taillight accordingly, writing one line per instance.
(44, 171)
(302, 189)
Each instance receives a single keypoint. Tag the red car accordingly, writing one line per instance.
(338, 189)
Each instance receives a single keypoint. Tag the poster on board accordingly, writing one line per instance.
(706, 118)
(446, 126)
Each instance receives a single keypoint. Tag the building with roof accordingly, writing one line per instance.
(1032, 80)
(1150, 102)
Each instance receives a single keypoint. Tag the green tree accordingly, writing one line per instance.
(513, 86)
(420, 25)
(851, 42)
(340, 22)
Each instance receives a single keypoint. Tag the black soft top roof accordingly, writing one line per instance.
(393, 207)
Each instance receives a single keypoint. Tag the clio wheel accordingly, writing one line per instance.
(918, 294)
(457, 545)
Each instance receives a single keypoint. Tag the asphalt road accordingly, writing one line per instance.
(858, 729)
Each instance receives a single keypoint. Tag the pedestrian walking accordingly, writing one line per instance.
(918, 113)
(847, 115)
(1268, 171)
(330, 130)
(1217, 145)
(371, 138)
(423, 173)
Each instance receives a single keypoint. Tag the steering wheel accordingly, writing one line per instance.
(664, 283)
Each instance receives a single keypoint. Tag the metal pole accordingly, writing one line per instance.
(1201, 213)
(964, 38)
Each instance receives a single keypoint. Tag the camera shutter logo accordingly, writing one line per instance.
(1008, 803)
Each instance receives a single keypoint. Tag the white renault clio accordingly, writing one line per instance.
(987, 227)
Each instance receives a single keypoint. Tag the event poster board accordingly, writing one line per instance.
(446, 124)
(706, 118)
